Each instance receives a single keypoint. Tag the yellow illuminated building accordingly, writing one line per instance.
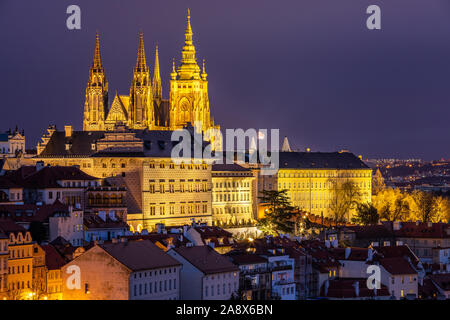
(232, 201)
(20, 261)
(311, 178)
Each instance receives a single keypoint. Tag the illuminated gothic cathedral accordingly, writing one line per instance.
(144, 107)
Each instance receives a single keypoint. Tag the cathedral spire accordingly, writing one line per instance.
(157, 88)
(141, 64)
(189, 68)
(97, 63)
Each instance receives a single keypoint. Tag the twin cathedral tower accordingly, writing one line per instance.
(145, 108)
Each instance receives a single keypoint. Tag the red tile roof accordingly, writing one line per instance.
(139, 255)
(53, 260)
(344, 288)
(206, 259)
(397, 266)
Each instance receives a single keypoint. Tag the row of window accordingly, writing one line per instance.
(154, 287)
(234, 184)
(183, 209)
(19, 253)
(184, 186)
(189, 166)
(231, 197)
(12, 270)
(219, 289)
(318, 185)
(325, 175)
(231, 210)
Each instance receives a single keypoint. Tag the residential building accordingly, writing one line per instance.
(206, 275)
(20, 262)
(126, 270)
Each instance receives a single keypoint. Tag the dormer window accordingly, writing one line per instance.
(93, 146)
(68, 146)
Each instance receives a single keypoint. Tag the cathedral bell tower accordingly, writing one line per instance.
(141, 113)
(189, 100)
(96, 101)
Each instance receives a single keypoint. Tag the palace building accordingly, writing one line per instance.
(145, 107)
(313, 178)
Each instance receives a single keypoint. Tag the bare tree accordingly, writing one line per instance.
(345, 195)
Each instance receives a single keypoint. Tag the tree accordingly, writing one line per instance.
(366, 214)
(344, 197)
(279, 216)
(392, 204)
(427, 207)
(378, 184)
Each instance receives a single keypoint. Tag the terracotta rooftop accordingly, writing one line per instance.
(139, 255)
(53, 259)
(344, 288)
(206, 259)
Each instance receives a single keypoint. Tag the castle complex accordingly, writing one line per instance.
(144, 107)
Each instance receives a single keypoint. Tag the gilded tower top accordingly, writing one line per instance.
(189, 68)
(97, 63)
(157, 88)
(141, 64)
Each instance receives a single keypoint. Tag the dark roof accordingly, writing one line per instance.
(342, 288)
(81, 142)
(397, 265)
(156, 143)
(422, 230)
(8, 226)
(371, 232)
(139, 255)
(206, 259)
(48, 176)
(53, 259)
(322, 160)
(229, 167)
(442, 280)
(32, 212)
(93, 221)
(244, 259)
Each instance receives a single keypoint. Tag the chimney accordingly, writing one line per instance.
(335, 243)
(68, 130)
(114, 240)
(356, 286)
(325, 287)
(159, 228)
(397, 225)
(102, 215)
(39, 165)
(348, 251)
(430, 224)
(369, 254)
(123, 239)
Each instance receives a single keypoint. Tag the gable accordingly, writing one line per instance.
(118, 111)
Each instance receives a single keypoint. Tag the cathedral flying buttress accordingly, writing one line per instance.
(145, 107)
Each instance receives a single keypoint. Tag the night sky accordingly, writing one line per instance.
(308, 67)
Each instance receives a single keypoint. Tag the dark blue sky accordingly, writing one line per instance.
(308, 67)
